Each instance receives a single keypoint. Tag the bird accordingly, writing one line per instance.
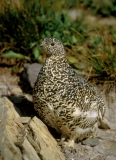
(63, 99)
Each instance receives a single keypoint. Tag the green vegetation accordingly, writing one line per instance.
(102, 7)
(90, 49)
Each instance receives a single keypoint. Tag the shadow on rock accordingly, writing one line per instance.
(25, 108)
(22, 105)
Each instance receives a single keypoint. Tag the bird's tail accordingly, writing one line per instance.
(103, 124)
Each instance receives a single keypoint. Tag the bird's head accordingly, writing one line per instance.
(52, 46)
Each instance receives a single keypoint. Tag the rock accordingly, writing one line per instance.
(99, 157)
(108, 93)
(25, 142)
(8, 131)
(3, 90)
(107, 147)
(23, 119)
(29, 153)
(106, 134)
(49, 147)
(31, 72)
(110, 158)
(91, 142)
(28, 97)
(16, 90)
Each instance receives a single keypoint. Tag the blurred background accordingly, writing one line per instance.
(87, 28)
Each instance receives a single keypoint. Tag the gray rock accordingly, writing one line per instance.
(107, 147)
(106, 134)
(91, 142)
(109, 95)
(31, 72)
(3, 90)
(110, 158)
(99, 157)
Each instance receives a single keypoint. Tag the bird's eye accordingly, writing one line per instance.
(52, 44)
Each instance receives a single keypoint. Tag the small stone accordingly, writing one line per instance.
(28, 97)
(16, 90)
(99, 157)
(24, 119)
(3, 90)
(91, 142)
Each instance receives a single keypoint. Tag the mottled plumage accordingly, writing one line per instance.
(63, 99)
